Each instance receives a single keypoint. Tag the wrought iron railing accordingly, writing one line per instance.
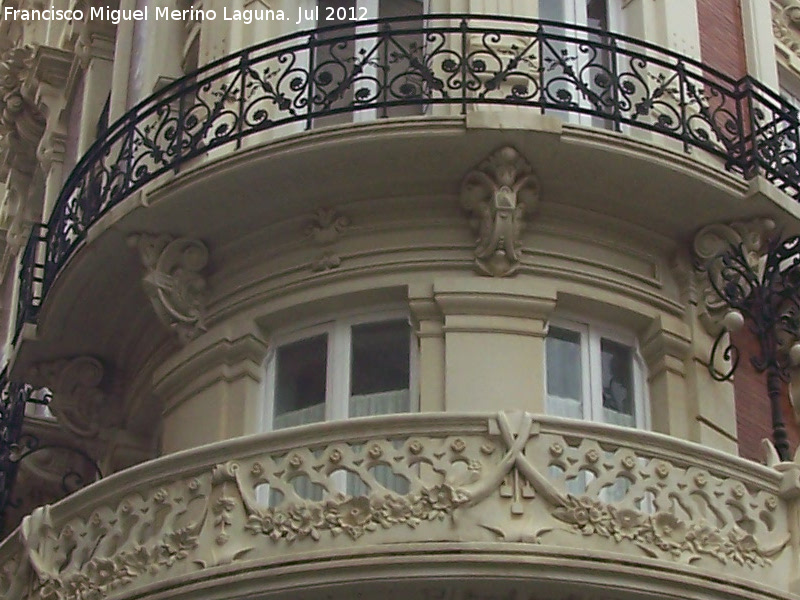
(18, 444)
(13, 399)
(421, 65)
(31, 278)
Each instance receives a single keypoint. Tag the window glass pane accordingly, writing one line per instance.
(564, 369)
(552, 10)
(597, 14)
(300, 379)
(334, 74)
(618, 394)
(379, 368)
(379, 385)
(398, 71)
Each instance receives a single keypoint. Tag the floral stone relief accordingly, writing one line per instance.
(394, 489)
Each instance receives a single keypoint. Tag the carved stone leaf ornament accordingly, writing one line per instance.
(786, 23)
(174, 281)
(498, 194)
(79, 402)
(709, 243)
(21, 123)
(324, 229)
(213, 514)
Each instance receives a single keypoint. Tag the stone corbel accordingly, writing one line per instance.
(324, 229)
(711, 241)
(498, 194)
(80, 402)
(174, 281)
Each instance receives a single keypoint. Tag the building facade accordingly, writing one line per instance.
(335, 295)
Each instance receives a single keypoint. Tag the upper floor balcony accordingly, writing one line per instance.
(516, 501)
(601, 91)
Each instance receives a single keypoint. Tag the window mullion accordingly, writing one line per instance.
(595, 375)
(586, 380)
(338, 392)
(269, 389)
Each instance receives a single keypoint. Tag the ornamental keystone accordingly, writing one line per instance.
(498, 194)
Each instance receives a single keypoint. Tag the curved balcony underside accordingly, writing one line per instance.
(438, 65)
(509, 497)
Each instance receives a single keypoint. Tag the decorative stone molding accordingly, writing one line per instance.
(513, 477)
(711, 241)
(21, 123)
(786, 24)
(324, 229)
(498, 194)
(174, 281)
(79, 402)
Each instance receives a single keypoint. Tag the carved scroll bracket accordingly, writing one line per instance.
(786, 24)
(710, 242)
(498, 194)
(174, 281)
(80, 402)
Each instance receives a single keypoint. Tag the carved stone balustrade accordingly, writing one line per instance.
(509, 488)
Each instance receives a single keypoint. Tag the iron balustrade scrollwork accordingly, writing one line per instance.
(389, 66)
(31, 279)
(761, 291)
(18, 444)
(13, 398)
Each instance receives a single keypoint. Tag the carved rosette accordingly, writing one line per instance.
(498, 194)
(79, 402)
(174, 281)
(324, 229)
(513, 475)
(710, 242)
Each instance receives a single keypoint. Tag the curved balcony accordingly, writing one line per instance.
(541, 498)
(435, 65)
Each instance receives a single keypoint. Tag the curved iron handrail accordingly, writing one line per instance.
(458, 60)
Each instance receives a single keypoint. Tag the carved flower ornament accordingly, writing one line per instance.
(662, 532)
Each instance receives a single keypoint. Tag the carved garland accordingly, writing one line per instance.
(224, 505)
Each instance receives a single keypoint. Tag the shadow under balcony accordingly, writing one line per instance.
(509, 500)
(389, 110)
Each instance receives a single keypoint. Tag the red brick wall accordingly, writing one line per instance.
(722, 36)
(753, 418)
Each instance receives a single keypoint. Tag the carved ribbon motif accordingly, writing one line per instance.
(384, 488)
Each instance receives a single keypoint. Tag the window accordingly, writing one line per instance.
(345, 368)
(594, 373)
(352, 71)
(575, 77)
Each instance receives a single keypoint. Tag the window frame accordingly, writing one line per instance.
(338, 328)
(592, 333)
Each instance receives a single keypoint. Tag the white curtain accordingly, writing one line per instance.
(303, 416)
(380, 403)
